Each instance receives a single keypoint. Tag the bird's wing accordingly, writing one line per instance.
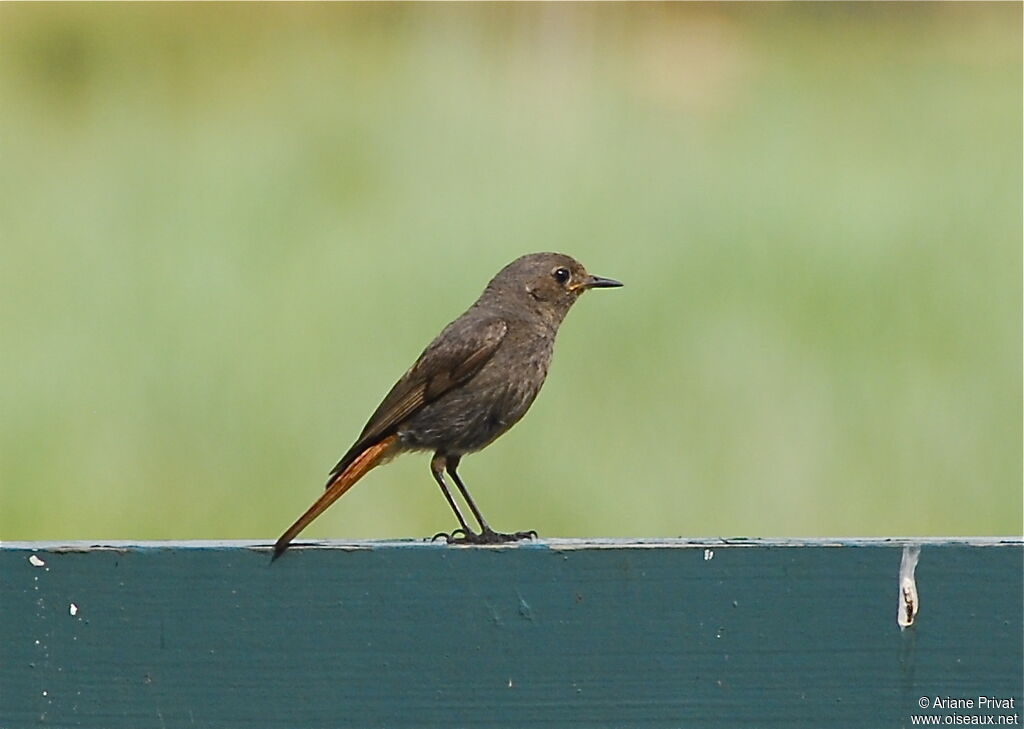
(452, 359)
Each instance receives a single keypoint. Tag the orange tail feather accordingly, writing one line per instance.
(362, 463)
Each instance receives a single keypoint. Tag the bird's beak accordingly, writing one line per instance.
(600, 282)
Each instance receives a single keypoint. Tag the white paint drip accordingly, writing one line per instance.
(35, 561)
(708, 554)
(73, 609)
(908, 600)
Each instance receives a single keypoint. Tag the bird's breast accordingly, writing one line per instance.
(470, 417)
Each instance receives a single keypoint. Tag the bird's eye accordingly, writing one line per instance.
(561, 274)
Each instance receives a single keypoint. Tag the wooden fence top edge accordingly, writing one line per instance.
(555, 544)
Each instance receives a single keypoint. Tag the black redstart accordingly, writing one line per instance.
(470, 385)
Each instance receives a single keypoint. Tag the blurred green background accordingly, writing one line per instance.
(226, 230)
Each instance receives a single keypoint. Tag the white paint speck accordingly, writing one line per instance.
(73, 609)
(708, 554)
(35, 561)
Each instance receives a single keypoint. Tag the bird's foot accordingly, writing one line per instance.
(487, 536)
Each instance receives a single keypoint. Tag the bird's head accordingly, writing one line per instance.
(548, 283)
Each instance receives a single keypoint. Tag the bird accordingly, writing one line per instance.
(472, 383)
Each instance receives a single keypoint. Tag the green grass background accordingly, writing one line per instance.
(226, 230)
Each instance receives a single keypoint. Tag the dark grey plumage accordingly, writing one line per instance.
(470, 385)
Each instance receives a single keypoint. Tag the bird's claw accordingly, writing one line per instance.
(453, 536)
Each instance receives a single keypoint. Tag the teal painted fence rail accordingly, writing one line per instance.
(559, 633)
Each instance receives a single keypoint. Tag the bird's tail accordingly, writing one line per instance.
(341, 482)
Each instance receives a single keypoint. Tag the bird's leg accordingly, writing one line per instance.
(437, 464)
(451, 464)
(486, 535)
